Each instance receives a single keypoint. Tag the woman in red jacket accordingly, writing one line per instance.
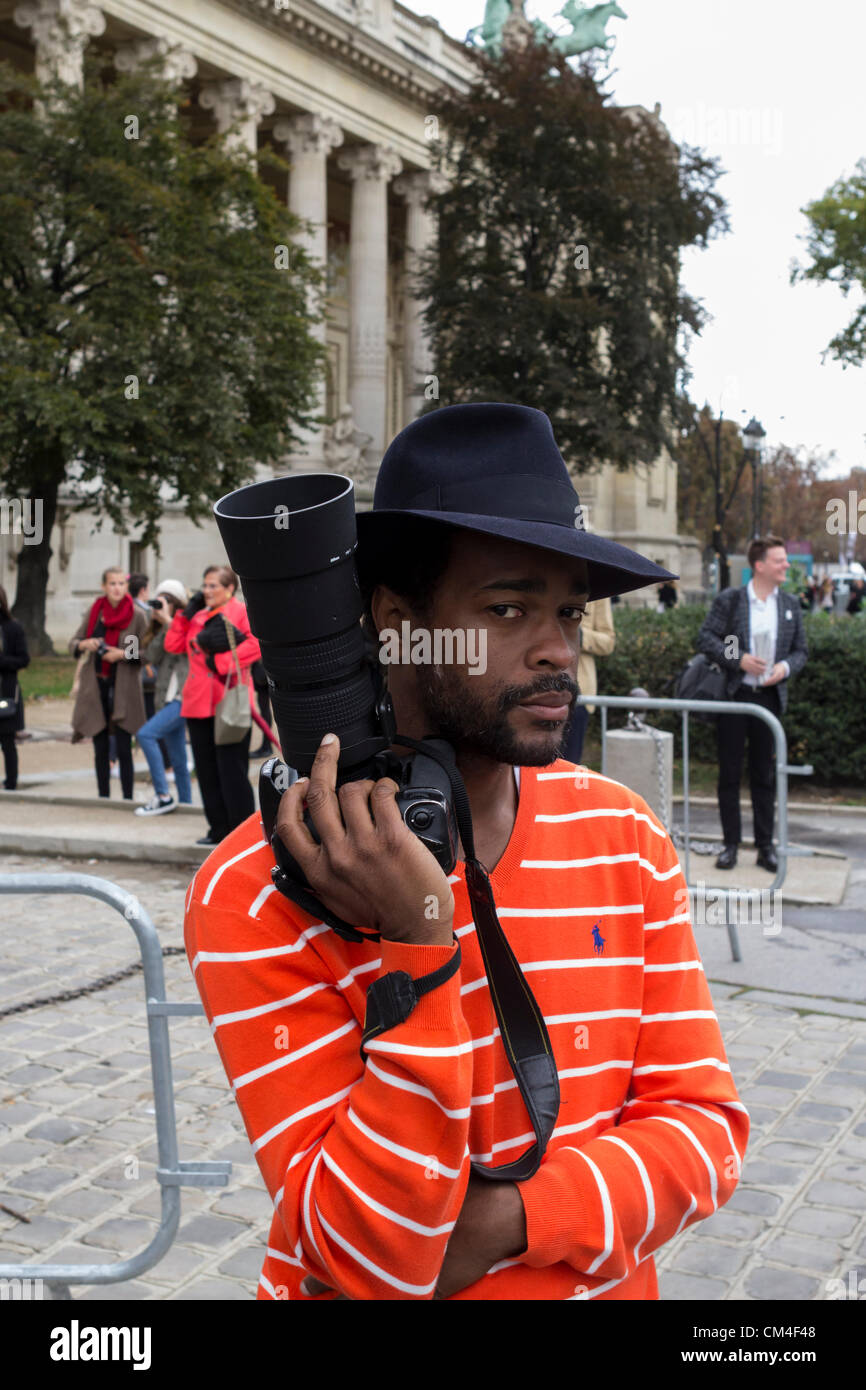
(199, 630)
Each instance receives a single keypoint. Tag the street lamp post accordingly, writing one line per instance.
(753, 434)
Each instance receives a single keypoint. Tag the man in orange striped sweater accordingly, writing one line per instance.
(368, 1163)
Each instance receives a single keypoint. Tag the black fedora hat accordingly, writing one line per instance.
(496, 469)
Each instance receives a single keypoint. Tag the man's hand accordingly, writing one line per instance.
(491, 1227)
(752, 665)
(369, 868)
(777, 674)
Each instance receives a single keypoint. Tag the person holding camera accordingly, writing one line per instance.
(205, 630)
(166, 727)
(109, 698)
(369, 1138)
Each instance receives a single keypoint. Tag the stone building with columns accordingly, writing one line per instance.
(345, 90)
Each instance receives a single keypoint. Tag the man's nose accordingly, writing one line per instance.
(553, 648)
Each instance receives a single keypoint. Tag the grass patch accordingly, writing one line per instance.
(48, 677)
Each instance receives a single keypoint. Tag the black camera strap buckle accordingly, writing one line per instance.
(391, 999)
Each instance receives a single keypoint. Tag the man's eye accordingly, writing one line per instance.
(500, 608)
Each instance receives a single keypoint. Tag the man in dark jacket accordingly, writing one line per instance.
(756, 634)
(13, 658)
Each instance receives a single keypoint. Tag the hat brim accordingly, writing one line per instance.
(612, 568)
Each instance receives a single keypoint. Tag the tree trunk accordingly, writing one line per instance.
(724, 567)
(33, 560)
(718, 534)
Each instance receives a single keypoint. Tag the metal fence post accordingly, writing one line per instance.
(171, 1172)
(722, 707)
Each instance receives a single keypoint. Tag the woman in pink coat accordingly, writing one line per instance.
(199, 630)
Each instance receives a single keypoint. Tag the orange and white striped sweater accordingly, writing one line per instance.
(367, 1166)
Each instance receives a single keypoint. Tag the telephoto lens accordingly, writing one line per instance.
(292, 541)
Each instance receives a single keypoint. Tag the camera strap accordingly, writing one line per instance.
(521, 1023)
(391, 999)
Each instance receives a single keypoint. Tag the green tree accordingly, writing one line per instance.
(155, 312)
(836, 243)
(555, 280)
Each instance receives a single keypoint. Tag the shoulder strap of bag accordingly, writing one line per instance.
(231, 636)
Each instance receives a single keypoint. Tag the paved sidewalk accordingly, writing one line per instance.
(77, 1137)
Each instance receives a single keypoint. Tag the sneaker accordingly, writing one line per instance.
(157, 806)
(115, 770)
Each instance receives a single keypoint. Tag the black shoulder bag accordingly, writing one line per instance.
(704, 679)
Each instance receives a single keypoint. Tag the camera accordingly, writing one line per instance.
(102, 648)
(155, 602)
(292, 543)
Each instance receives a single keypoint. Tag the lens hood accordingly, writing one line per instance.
(288, 527)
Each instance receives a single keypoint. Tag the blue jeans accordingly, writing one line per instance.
(167, 724)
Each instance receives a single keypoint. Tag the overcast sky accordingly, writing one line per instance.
(777, 91)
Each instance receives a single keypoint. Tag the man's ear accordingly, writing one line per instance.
(388, 609)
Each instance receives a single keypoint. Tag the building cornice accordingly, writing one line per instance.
(320, 29)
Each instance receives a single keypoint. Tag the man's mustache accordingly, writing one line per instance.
(515, 695)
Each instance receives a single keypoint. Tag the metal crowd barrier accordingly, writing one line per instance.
(171, 1172)
(783, 771)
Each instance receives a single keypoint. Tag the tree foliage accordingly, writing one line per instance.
(836, 243)
(150, 347)
(555, 280)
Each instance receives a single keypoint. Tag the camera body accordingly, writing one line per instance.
(102, 648)
(423, 800)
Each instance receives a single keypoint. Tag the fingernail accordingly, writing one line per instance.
(329, 738)
(302, 781)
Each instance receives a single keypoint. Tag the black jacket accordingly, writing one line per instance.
(14, 656)
(729, 617)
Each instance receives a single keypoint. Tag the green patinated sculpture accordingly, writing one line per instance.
(496, 13)
(587, 26)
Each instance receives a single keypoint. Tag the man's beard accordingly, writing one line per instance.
(480, 726)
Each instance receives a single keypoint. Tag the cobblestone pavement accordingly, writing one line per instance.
(77, 1135)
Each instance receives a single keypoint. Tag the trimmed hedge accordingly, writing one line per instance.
(826, 716)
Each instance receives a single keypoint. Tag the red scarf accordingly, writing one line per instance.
(115, 621)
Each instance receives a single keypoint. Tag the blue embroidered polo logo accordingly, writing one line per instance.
(598, 940)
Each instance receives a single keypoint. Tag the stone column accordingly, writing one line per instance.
(61, 29)
(237, 100)
(371, 167)
(177, 63)
(310, 139)
(420, 232)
